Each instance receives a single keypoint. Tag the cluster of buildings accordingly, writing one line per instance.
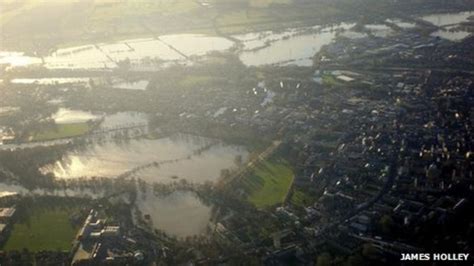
(98, 242)
(7, 216)
(400, 174)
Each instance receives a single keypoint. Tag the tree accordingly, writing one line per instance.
(356, 260)
(324, 259)
(386, 224)
(369, 251)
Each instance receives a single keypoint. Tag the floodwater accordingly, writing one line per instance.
(12, 189)
(139, 51)
(197, 44)
(193, 158)
(179, 214)
(68, 116)
(35, 144)
(379, 30)
(445, 19)
(124, 119)
(140, 85)
(291, 47)
(402, 24)
(17, 59)
(50, 81)
(450, 33)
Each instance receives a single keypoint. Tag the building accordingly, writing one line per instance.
(6, 214)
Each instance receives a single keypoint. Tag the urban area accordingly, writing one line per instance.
(236, 132)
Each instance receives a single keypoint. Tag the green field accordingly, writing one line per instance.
(62, 131)
(330, 80)
(269, 183)
(46, 229)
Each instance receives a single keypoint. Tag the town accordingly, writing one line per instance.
(353, 155)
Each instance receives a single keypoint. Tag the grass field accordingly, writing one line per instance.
(62, 131)
(47, 229)
(269, 183)
(330, 80)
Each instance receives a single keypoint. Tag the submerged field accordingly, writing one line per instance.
(72, 21)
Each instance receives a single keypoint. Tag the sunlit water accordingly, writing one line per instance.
(123, 119)
(11, 189)
(280, 48)
(131, 85)
(50, 81)
(18, 59)
(445, 19)
(402, 24)
(68, 116)
(179, 214)
(379, 30)
(109, 55)
(451, 35)
(193, 158)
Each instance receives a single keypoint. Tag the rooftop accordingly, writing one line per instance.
(7, 212)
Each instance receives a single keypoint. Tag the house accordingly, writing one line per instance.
(6, 214)
(345, 78)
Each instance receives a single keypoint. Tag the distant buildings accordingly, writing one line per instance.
(6, 214)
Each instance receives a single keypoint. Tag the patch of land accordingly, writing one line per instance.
(269, 183)
(62, 131)
(41, 222)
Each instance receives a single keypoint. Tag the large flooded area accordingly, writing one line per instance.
(446, 19)
(180, 214)
(14, 189)
(449, 23)
(69, 116)
(152, 51)
(292, 46)
(168, 159)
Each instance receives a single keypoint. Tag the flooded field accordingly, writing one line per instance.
(379, 30)
(140, 85)
(195, 159)
(451, 34)
(293, 46)
(123, 119)
(402, 24)
(196, 44)
(68, 116)
(448, 23)
(445, 19)
(176, 47)
(179, 214)
(12, 189)
(50, 81)
(18, 59)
